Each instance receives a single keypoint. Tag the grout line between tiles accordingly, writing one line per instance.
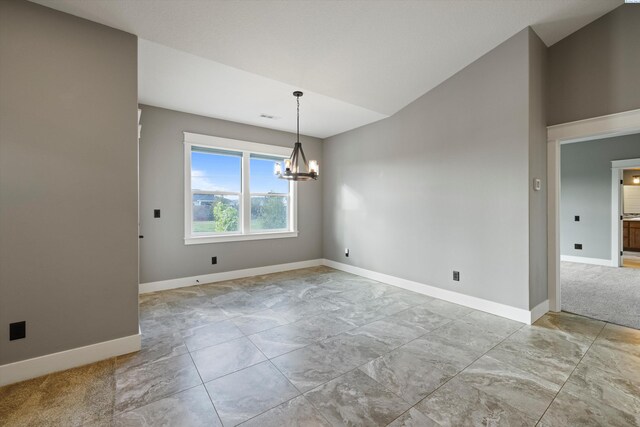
(463, 369)
(205, 388)
(571, 373)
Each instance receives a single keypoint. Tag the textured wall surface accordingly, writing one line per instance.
(594, 71)
(68, 181)
(395, 196)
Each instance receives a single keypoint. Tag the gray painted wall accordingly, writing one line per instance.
(68, 181)
(585, 190)
(594, 71)
(538, 286)
(163, 254)
(394, 194)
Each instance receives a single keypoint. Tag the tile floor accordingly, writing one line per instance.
(319, 347)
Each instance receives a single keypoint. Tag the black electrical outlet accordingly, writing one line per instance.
(156, 213)
(577, 246)
(214, 260)
(17, 330)
(456, 276)
(576, 218)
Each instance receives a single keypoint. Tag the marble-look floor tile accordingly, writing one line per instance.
(244, 394)
(447, 309)
(205, 336)
(494, 324)
(304, 290)
(304, 309)
(330, 283)
(198, 317)
(617, 362)
(187, 304)
(616, 391)
(275, 296)
(154, 348)
(191, 408)
(297, 412)
(515, 387)
(354, 399)
(416, 369)
(157, 322)
(140, 385)
(421, 316)
(413, 418)
(283, 339)
(238, 303)
(569, 410)
(357, 315)
(162, 297)
(361, 313)
(293, 336)
(260, 321)
(576, 326)
(70, 398)
(457, 404)
(406, 372)
(475, 339)
(311, 366)
(390, 332)
(620, 337)
(372, 291)
(543, 353)
(411, 298)
(220, 288)
(222, 359)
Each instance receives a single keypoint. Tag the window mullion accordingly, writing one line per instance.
(245, 209)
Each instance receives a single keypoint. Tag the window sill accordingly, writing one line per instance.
(238, 237)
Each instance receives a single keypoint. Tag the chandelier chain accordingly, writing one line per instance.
(298, 120)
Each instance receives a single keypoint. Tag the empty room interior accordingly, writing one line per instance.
(320, 213)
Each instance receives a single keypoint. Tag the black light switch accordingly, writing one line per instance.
(17, 330)
(156, 213)
(576, 218)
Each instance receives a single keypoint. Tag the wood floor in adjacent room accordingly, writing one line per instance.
(319, 347)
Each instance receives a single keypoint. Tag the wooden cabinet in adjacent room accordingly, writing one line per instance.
(631, 235)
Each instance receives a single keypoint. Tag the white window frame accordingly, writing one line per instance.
(246, 148)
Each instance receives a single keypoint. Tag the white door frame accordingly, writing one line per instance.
(618, 124)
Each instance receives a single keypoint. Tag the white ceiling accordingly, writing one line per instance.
(357, 61)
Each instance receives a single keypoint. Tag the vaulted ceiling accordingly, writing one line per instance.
(356, 61)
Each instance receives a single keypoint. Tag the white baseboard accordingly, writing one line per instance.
(38, 366)
(584, 260)
(539, 310)
(513, 313)
(226, 275)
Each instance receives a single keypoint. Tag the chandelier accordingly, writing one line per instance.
(296, 167)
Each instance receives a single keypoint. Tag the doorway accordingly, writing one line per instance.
(630, 214)
(587, 219)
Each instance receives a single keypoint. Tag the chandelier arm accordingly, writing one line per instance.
(304, 158)
(294, 162)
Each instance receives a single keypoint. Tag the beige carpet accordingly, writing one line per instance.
(603, 293)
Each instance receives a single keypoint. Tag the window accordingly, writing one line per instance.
(231, 192)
